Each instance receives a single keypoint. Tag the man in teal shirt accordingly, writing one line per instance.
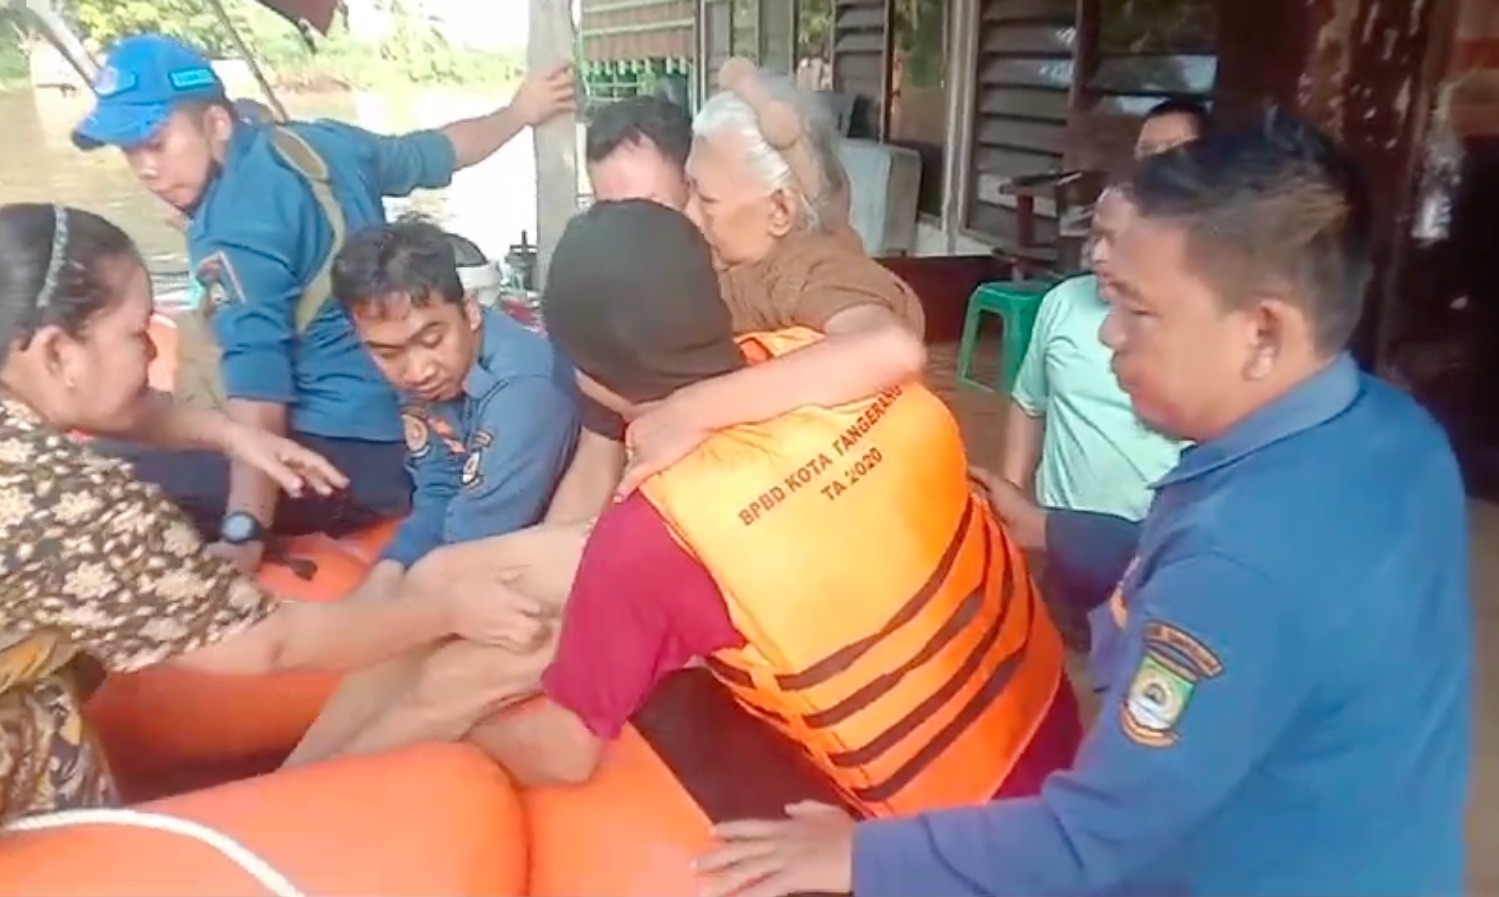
(1071, 428)
(1073, 432)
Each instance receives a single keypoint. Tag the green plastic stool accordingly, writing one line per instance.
(1016, 302)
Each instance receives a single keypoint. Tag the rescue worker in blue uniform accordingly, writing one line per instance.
(491, 412)
(490, 409)
(268, 205)
(1293, 713)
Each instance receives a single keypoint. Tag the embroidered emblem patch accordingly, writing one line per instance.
(219, 282)
(1173, 666)
(473, 469)
(418, 434)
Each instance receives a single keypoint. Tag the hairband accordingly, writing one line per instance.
(56, 259)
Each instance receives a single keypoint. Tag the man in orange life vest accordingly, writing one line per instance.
(832, 565)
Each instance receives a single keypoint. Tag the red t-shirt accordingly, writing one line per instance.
(642, 607)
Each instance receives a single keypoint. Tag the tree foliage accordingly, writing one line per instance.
(193, 21)
(414, 53)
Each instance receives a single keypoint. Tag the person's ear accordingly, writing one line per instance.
(218, 124)
(1273, 326)
(61, 356)
(473, 312)
(785, 209)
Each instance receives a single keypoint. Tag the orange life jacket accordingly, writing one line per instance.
(891, 626)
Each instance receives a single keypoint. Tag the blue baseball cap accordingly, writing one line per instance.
(144, 78)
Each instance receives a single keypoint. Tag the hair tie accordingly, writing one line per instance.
(56, 259)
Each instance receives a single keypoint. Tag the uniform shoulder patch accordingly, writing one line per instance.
(1173, 665)
(221, 287)
(418, 434)
(473, 465)
(473, 469)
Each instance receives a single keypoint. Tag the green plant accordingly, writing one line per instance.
(415, 53)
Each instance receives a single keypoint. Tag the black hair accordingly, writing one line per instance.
(636, 119)
(633, 300)
(49, 258)
(466, 253)
(411, 260)
(1276, 206)
(199, 106)
(1202, 119)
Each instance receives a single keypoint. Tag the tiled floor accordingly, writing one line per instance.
(982, 416)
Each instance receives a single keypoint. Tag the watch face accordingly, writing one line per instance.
(239, 527)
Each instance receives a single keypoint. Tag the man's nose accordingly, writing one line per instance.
(423, 369)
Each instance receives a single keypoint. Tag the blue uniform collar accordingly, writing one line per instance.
(483, 375)
(1316, 400)
(239, 144)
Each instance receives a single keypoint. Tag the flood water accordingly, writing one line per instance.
(491, 203)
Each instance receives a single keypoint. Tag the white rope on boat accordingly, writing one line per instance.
(238, 854)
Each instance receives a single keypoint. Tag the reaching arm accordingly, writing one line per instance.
(435, 471)
(1022, 450)
(537, 99)
(594, 473)
(867, 349)
(641, 607)
(1215, 685)
(257, 291)
(150, 593)
(1025, 426)
(173, 426)
(340, 636)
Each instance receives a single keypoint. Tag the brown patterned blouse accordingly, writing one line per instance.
(94, 565)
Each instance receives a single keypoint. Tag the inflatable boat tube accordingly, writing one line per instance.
(691, 758)
(442, 819)
(167, 729)
(429, 820)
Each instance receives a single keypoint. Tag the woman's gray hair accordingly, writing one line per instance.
(728, 112)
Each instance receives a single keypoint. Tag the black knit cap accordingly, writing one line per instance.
(632, 298)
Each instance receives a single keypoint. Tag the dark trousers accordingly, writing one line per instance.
(1069, 610)
(379, 486)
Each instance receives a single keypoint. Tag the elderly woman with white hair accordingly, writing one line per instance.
(766, 187)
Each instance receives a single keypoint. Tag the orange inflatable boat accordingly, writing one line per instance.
(440, 819)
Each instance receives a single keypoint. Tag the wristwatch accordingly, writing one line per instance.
(240, 528)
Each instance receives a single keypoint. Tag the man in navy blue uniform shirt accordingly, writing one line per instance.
(490, 409)
(267, 206)
(1292, 713)
(491, 412)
